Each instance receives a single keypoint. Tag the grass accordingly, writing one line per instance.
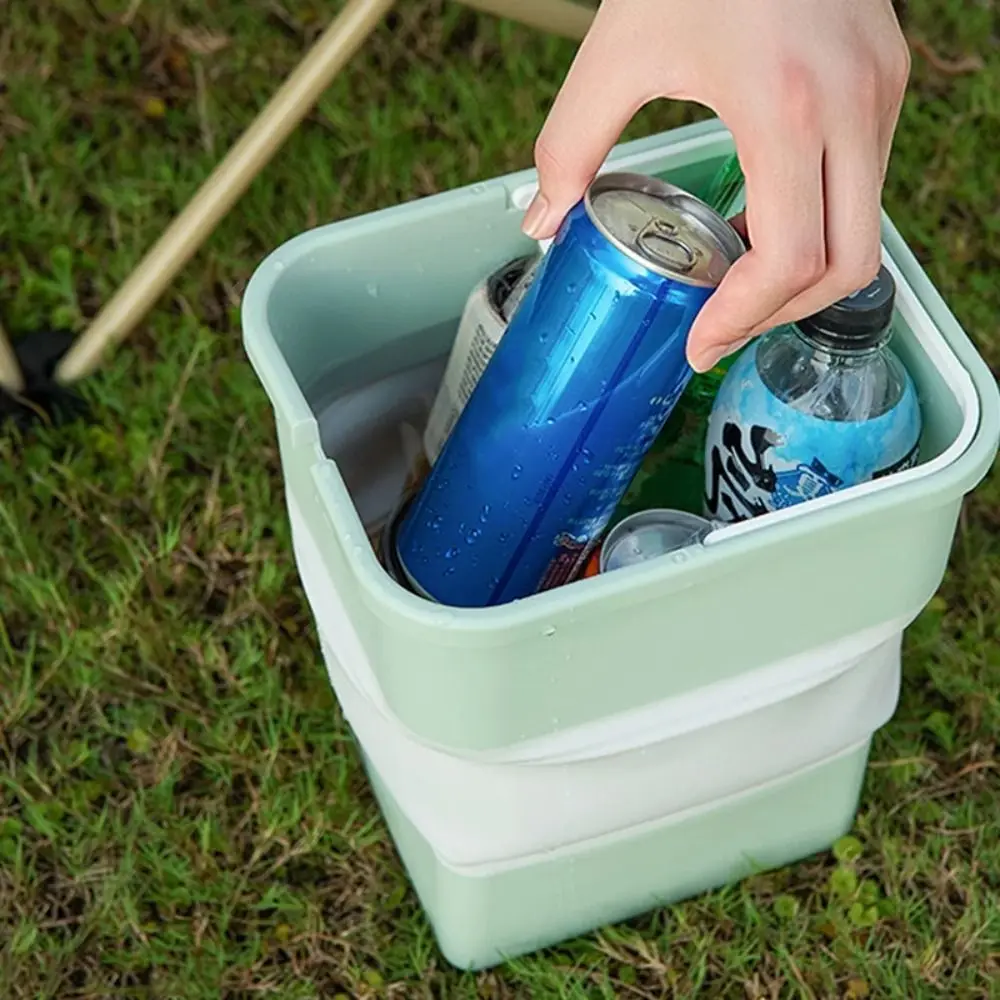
(182, 811)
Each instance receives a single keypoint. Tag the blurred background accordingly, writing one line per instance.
(182, 810)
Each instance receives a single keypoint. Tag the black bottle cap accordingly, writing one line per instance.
(858, 322)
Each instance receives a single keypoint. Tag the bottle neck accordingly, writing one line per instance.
(845, 353)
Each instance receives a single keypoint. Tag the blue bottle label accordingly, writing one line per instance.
(762, 454)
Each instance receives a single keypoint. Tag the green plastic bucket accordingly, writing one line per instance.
(348, 327)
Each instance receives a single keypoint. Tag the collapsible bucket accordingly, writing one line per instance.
(581, 755)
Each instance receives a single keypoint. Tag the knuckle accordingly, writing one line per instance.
(898, 65)
(798, 94)
(557, 169)
(881, 79)
(546, 158)
(805, 269)
(788, 277)
(854, 275)
(866, 85)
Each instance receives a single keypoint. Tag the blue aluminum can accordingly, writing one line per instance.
(583, 380)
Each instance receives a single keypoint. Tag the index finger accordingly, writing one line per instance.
(590, 111)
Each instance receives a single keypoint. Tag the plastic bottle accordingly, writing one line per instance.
(811, 408)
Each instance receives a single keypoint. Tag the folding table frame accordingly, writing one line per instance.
(230, 179)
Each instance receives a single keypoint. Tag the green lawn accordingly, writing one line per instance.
(182, 811)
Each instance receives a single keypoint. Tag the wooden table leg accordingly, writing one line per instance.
(187, 233)
(560, 17)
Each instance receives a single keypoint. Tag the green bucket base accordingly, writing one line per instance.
(483, 916)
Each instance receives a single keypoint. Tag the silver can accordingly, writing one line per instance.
(649, 535)
(483, 323)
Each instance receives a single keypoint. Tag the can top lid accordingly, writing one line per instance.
(663, 227)
(649, 534)
(858, 322)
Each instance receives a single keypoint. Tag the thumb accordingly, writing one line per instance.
(595, 103)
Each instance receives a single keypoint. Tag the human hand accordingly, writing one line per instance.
(811, 91)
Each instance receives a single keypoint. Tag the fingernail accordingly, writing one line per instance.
(707, 359)
(711, 356)
(534, 218)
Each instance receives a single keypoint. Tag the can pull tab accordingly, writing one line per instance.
(658, 240)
